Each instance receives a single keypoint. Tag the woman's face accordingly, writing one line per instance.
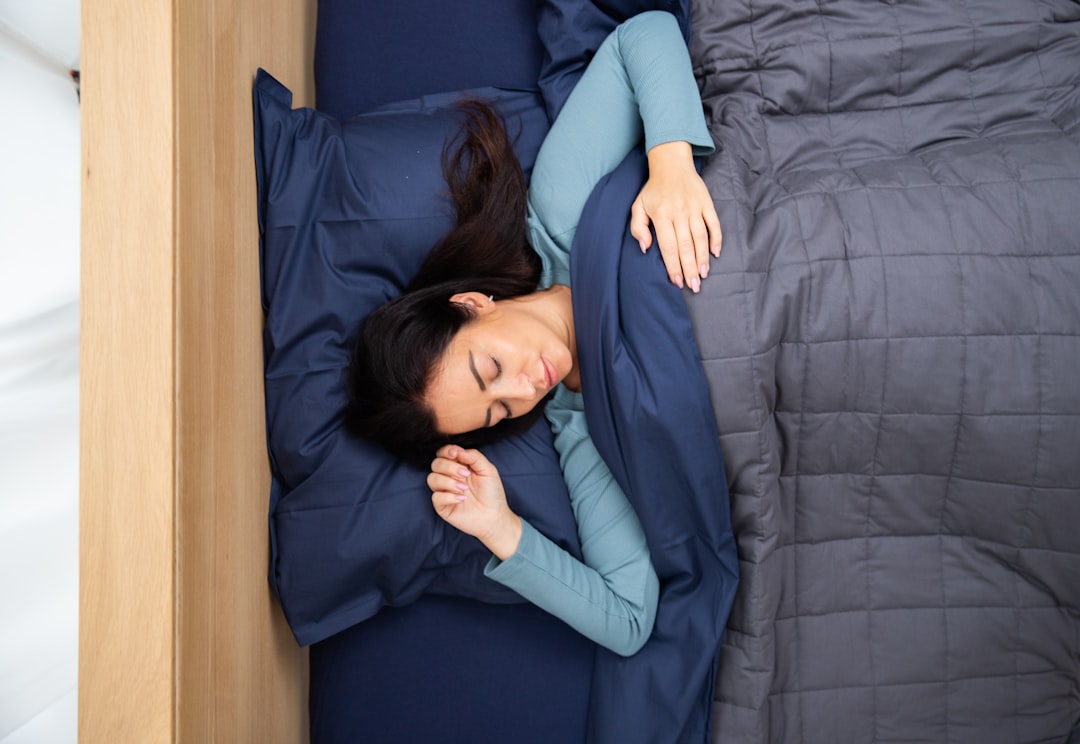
(499, 365)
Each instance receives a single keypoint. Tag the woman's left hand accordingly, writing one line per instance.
(676, 202)
(467, 492)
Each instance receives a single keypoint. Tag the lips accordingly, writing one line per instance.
(551, 377)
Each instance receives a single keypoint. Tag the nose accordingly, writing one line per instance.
(521, 386)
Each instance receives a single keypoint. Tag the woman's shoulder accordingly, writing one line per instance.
(565, 411)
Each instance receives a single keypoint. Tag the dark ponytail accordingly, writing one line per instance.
(400, 344)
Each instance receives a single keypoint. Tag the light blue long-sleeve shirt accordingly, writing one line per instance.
(638, 87)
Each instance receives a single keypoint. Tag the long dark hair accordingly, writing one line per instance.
(396, 352)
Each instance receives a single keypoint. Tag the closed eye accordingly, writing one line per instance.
(503, 403)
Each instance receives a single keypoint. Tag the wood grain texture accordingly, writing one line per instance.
(180, 639)
(237, 660)
(127, 426)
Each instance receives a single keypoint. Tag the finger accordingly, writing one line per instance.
(669, 251)
(701, 246)
(450, 467)
(700, 234)
(716, 235)
(639, 225)
(455, 459)
(475, 460)
(447, 451)
(444, 503)
(443, 499)
(687, 256)
(446, 484)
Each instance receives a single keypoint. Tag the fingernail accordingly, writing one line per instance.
(463, 472)
(678, 282)
(642, 246)
(695, 285)
(716, 251)
(462, 487)
(460, 498)
(704, 270)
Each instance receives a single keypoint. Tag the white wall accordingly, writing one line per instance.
(39, 336)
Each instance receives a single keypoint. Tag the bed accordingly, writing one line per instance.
(876, 441)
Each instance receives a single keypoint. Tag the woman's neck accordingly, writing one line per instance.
(563, 309)
(555, 306)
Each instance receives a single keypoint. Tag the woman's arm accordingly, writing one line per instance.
(611, 598)
(639, 86)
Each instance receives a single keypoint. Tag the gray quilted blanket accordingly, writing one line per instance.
(892, 340)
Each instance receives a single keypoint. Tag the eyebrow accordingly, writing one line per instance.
(483, 387)
(479, 379)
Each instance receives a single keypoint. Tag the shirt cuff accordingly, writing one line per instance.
(518, 563)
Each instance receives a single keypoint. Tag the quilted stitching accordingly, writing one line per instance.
(892, 337)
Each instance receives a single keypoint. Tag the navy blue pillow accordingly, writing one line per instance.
(347, 211)
(368, 54)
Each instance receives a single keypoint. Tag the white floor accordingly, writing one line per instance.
(55, 724)
(39, 357)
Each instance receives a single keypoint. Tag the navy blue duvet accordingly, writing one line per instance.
(648, 410)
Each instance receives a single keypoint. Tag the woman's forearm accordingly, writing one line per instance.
(613, 607)
(639, 87)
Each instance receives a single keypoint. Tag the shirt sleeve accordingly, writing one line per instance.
(638, 87)
(611, 598)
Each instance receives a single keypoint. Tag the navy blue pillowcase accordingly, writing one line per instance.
(347, 211)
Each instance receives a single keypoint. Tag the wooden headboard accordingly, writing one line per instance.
(180, 639)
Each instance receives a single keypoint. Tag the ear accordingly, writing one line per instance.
(476, 300)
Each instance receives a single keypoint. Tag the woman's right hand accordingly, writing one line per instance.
(467, 492)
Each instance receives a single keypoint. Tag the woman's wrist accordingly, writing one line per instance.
(504, 539)
(674, 155)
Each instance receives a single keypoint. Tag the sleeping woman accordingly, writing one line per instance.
(485, 332)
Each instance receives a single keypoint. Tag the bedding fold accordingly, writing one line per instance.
(647, 406)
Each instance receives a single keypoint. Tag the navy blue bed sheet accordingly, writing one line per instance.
(427, 673)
